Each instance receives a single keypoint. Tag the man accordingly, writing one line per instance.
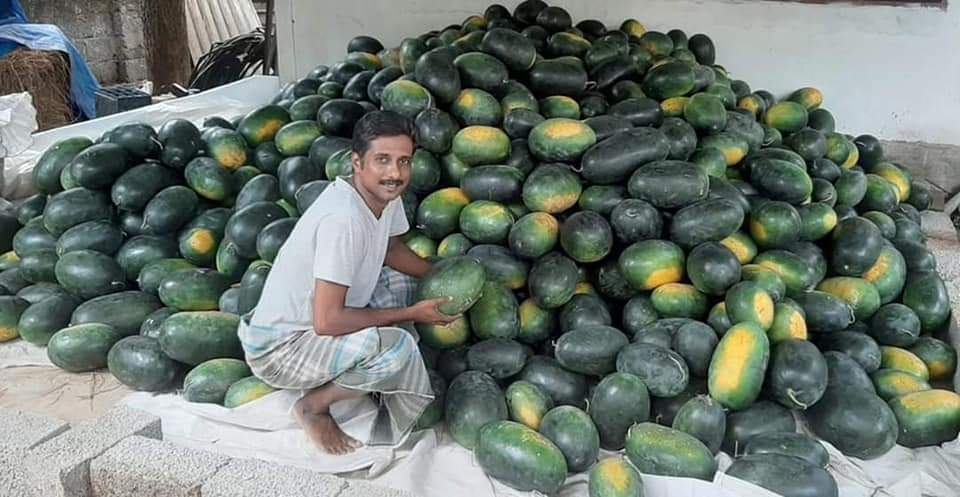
(326, 322)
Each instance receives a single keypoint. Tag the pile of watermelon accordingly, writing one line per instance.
(648, 256)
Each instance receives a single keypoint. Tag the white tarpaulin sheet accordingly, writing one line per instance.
(431, 464)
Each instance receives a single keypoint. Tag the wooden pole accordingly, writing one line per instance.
(270, 41)
(165, 41)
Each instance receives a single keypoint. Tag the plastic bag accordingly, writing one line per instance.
(18, 120)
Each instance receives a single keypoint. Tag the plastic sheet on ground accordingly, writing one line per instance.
(431, 464)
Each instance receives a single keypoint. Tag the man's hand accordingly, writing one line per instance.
(428, 311)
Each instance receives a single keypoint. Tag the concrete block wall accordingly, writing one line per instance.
(936, 164)
(122, 454)
(108, 33)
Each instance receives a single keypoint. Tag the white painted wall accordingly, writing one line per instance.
(890, 71)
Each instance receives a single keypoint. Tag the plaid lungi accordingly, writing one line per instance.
(381, 360)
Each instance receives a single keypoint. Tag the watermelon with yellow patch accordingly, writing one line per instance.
(810, 98)
(742, 246)
(474, 107)
(838, 148)
(262, 124)
(199, 246)
(9, 260)
(633, 28)
(438, 215)
(368, 61)
(939, 357)
(674, 106)
(556, 106)
(11, 307)
(775, 224)
(738, 366)
(478, 145)
(733, 147)
(534, 234)
(227, 147)
(296, 137)
(614, 477)
(903, 360)
(926, 418)
(406, 97)
(679, 300)
(889, 274)
(206, 177)
(584, 288)
(817, 220)
(527, 404)
(484, 221)
(649, 264)
(752, 103)
(749, 302)
(245, 391)
(766, 278)
(551, 188)
(859, 294)
(797, 274)
(560, 140)
(899, 177)
(853, 156)
(786, 116)
(891, 383)
(453, 245)
(445, 336)
(536, 323)
(422, 245)
(789, 323)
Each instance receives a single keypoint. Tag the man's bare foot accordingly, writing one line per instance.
(324, 432)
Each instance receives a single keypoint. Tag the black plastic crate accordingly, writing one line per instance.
(114, 99)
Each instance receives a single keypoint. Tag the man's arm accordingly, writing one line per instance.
(332, 317)
(401, 258)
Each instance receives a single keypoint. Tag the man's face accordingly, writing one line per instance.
(384, 170)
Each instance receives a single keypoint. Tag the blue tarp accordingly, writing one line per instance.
(12, 12)
(15, 32)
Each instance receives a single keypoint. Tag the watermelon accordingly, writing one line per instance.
(659, 450)
(614, 477)
(460, 279)
(527, 403)
(473, 400)
(520, 457)
(574, 433)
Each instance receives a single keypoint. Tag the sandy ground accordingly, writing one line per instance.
(50, 391)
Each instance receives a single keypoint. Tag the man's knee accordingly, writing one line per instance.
(400, 348)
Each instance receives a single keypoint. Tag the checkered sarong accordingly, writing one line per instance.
(383, 360)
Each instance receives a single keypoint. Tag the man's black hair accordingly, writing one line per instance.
(378, 124)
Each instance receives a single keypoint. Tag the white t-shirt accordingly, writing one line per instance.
(338, 240)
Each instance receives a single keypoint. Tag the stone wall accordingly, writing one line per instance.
(109, 34)
(936, 164)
